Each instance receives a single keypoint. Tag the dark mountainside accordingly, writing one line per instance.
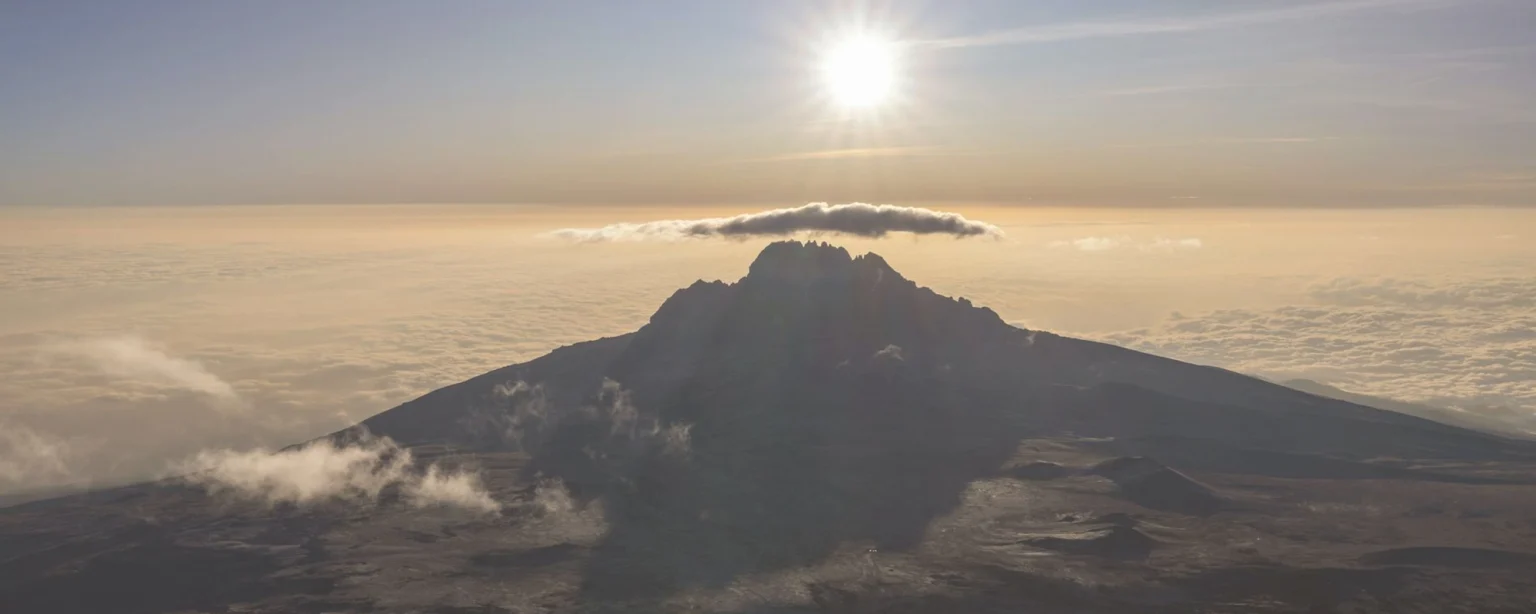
(1490, 419)
(826, 436)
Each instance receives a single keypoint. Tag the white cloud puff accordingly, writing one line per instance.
(322, 471)
(857, 219)
(1092, 244)
(461, 489)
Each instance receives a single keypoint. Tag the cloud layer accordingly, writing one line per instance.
(1467, 345)
(322, 472)
(857, 219)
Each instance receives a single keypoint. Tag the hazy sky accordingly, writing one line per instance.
(1114, 102)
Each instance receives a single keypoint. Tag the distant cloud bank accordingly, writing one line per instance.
(858, 219)
(1463, 344)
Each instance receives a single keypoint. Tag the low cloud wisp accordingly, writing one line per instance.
(29, 459)
(322, 472)
(134, 358)
(858, 219)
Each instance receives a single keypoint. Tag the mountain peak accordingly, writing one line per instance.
(808, 260)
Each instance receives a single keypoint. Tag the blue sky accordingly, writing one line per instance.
(1332, 103)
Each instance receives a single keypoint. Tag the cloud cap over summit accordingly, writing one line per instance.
(858, 219)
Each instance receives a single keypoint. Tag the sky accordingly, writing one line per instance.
(1124, 103)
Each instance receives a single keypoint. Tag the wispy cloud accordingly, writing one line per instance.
(1289, 12)
(134, 358)
(1155, 90)
(1104, 244)
(1171, 89)
(1479, 182)
(1091, 244)
(1164, 244)
(29, 458)
(321, 471)
(858, 219)
(1279, 139)
(1262, 140)
(860, 153)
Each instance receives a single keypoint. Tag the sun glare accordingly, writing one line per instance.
(860, 71)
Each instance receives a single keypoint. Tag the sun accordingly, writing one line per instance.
(860, 71)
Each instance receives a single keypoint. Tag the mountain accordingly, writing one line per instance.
(824, 435)
(811, 324)
(1492, 419)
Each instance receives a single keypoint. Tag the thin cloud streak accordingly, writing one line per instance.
(1104, 244)
(1270, 140)
(1158, 90)
(860, 152)
(134, 358)
(1051, 33)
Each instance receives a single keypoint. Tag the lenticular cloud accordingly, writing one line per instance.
(858, 219)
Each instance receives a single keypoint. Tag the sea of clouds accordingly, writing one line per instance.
(1466, 345)
(125, 359)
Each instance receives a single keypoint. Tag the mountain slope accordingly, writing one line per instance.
(825, 390)
(1490, 419)
(813, 311)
